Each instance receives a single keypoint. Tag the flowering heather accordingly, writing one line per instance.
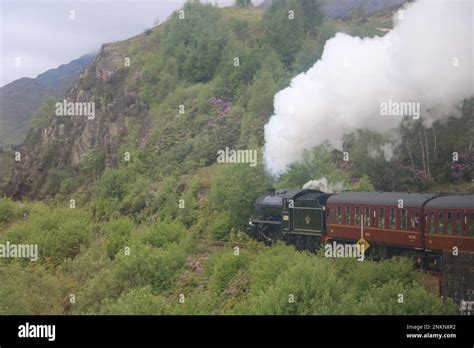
(463, 166)
(222, 105)
(413, 179)
(422, 177)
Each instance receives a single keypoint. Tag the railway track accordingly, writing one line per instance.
(221, 244)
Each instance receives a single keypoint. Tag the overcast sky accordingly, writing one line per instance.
(40, 34)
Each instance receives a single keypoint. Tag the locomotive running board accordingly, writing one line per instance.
(266, 222)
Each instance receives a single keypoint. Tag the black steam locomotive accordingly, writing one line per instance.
(414, 224)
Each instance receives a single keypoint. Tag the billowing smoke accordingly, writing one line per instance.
(426, 61)
(323, 185)
(386, 150)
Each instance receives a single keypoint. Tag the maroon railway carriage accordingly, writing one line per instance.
(449, 222)
(390, 220)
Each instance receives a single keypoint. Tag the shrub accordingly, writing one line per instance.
(162, 233)
(284, 281)
(112, 188)
(140, 301)
(9, 211)
(103, 286)
(146, 265)
(225, 268)
(221, 226)
(118, 233)
(59, 232)
(30, 290)
(235, 189)
(87, 264)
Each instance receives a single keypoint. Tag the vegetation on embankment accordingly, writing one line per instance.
(129, 244)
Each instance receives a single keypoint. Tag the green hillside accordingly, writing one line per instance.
(119, 206)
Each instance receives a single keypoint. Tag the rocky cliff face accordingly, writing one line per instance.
(106, 83)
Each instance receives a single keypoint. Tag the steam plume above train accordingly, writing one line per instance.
(422, 68)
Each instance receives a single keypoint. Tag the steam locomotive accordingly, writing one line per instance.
(420, 225)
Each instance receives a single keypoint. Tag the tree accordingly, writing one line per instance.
(39, 121)
(368, 152)
(363, 184)
(196, 43)
(313, 15)
(430, 150)
(243, 3)
(283, 25)
(43, 112)
(235, 189)
(92, 163)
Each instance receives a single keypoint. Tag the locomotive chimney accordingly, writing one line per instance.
(270, 191)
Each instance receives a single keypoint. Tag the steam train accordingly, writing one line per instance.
(420, 225)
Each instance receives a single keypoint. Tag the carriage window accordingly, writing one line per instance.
(357, 216)
(403, 219)
(382, 217)
(458, 227)
(440, 222)
(431, 222)
(471, 225)
(338, 214)
(367, 217)
(348, 215)
(392, 218)
(415, 220)
(449, 226)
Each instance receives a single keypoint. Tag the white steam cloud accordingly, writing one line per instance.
(427, 59)
(323, 185)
